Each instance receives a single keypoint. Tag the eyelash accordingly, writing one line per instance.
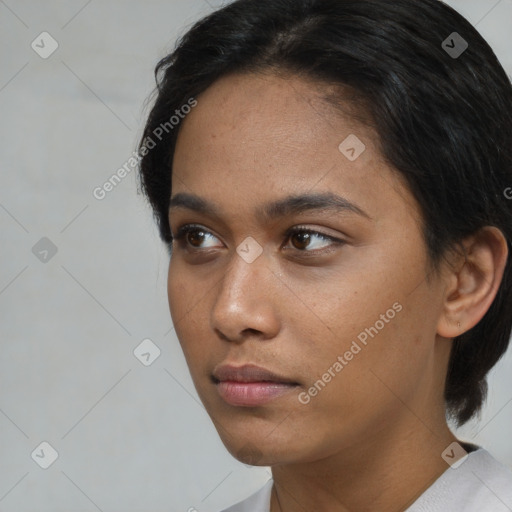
(183, 231)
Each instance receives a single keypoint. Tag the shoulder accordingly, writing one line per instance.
(479, 484)
(257, 502)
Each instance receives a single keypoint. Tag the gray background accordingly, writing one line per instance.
(129, 437)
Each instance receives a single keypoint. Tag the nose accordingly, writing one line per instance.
(246, 304)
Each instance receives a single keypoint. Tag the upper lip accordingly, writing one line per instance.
(247, 373)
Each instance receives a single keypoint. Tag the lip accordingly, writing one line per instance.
(250, 385)
(248, 373)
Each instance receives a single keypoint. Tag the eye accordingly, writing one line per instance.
(302, 239)
(307, 240)
(193, 236)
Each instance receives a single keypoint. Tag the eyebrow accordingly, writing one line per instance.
(290, 205)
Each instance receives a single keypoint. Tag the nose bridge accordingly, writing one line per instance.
(244, 298)
(242, 280)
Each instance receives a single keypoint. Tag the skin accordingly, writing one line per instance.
(372, 438)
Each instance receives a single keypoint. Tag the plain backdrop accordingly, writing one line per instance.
(83, 280)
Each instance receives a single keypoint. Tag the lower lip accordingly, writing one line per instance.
(251, 394)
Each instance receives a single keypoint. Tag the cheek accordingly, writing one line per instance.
(184, 305)
(372, 333)
(350, 306)
(378, 363)
(175, 289)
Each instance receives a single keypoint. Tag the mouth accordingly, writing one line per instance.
(250, 385)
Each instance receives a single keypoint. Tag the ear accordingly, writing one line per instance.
(473, 282)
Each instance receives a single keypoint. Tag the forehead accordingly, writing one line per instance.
(256, 138)
(246, 112)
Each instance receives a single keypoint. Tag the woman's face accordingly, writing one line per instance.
(340, 309)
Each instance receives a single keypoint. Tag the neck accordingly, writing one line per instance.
(387, 472)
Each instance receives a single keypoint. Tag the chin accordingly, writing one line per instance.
(259, 449)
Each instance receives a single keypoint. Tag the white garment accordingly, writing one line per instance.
(479, 484)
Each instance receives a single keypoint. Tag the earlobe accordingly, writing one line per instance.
(474, 283)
